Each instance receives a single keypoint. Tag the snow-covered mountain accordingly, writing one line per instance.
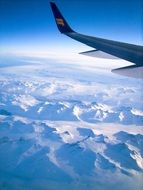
(62, 129)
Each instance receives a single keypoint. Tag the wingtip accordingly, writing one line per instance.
(60, 20)
(52, 3)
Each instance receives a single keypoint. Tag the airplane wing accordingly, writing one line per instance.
(104, 48)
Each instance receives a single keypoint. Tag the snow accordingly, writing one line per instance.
(137, 112)
(64, 127)
(24, 101)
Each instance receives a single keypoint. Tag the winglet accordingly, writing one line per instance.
(60, 21)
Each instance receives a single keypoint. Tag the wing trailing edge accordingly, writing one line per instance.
(130, 71)
(98, 54)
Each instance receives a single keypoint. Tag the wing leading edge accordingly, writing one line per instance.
(105, 48)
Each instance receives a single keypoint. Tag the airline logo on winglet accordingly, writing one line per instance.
(60, 21)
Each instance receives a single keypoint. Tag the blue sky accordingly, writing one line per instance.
(29, 24)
